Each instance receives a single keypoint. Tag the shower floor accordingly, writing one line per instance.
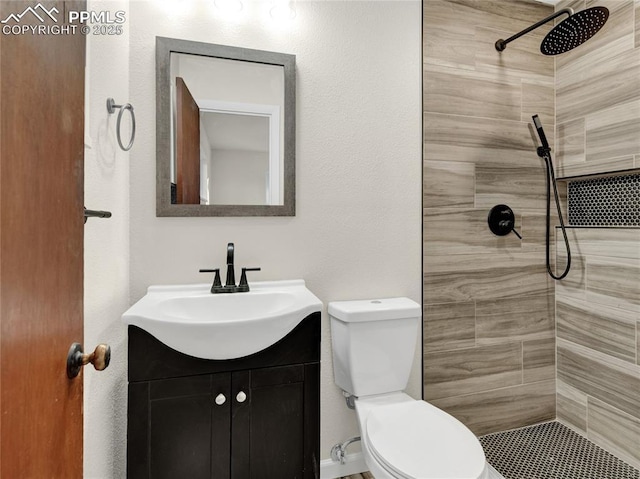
(551, 451)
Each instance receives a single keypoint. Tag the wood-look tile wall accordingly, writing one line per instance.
(489, 327)
(598, 352)
(598, 95)
(598, 305)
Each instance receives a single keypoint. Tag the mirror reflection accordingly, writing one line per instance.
(228, 131)
(234, 161)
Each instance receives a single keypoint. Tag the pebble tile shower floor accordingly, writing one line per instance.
(551, 451)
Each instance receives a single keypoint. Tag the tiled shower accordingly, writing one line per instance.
(504, 345)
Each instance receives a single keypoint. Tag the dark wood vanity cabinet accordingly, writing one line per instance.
(247, 418)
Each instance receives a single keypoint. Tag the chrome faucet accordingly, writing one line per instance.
(230, 284)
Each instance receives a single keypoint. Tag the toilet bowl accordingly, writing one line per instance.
(407, 438)
(402, 437)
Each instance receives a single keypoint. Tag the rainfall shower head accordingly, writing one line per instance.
(571, 32)
(574, 31)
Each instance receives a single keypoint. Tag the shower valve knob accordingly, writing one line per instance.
(502, 221)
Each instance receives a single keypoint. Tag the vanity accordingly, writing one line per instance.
(253, 416)
(224, 381)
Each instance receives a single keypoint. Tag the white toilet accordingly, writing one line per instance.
(373, 348)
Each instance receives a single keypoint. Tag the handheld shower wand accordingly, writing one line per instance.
(543, 138)
(544, 152)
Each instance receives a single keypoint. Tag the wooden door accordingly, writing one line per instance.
(187, 146)
(41, 245)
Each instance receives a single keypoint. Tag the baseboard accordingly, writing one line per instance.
(353, 464)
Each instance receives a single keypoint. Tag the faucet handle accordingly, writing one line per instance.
(216, 280)
(243, 286)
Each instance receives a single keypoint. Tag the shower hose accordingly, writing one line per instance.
(551, 180)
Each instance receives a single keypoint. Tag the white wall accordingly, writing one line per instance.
(357, 229)
(239, 177)
(205, 165)
(229, 80)
(106, 251)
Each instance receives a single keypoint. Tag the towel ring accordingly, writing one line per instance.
(111, 108)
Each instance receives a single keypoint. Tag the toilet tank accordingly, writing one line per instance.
(373, 344)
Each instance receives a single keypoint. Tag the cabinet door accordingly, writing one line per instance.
(268, 426)
(188, 430)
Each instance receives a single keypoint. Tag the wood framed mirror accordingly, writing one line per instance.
(225, 130)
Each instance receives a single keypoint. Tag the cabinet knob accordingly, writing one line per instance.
(220, 399)
(241, 397)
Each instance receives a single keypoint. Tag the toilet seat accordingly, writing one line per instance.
(415, 440)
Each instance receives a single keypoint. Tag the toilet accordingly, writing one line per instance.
(373, 348)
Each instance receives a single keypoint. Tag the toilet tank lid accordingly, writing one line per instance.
(374, 309)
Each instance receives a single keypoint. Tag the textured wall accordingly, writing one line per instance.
(106, 250)
(489, 330)
(356, 233)
(597, 306)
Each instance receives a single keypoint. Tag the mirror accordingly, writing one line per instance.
(225, 130)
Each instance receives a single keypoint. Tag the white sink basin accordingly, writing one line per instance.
(189, 319)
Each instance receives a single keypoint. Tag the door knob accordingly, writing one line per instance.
(220, 399)
(241, 397)
(76, 358)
